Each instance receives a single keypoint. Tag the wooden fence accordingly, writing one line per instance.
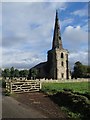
(23, 86)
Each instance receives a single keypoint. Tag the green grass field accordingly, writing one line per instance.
(81, 87)
(78, 89)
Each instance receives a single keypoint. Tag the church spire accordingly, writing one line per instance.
(57, 42)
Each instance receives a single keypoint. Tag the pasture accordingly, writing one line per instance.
(73, 98)
(81, 87)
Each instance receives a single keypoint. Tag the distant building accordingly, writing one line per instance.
(56, 66)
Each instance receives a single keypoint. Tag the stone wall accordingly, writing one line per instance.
(61, 69)
(58, 64)
(65, 81)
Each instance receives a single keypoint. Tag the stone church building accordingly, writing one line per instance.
(56, 66)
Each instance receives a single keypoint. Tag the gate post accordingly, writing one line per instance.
(11, 87)
(40, 85)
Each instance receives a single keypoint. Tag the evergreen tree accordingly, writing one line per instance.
(6, 73)
(12, 72)
(79, 70)
(16, 73)
(25, 73)
(34, 73)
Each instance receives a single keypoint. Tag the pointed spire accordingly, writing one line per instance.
(57, 42)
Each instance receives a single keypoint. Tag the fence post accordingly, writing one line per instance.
(6, 86)
(40, 85)
(11, 87)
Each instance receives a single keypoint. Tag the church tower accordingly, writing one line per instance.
(58, 56)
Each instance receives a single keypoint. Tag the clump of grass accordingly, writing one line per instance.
(71, 114)
(6, 93)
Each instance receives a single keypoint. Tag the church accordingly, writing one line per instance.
(56, 67)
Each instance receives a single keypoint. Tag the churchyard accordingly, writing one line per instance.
(72, 97)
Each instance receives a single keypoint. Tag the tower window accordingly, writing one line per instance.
(62, 75)
(59, 37)
(62, 64)
(62, 55)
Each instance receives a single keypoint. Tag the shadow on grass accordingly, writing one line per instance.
(77, 104)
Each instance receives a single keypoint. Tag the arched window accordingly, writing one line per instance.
(62, 75)
(62, 55)
(62, 64)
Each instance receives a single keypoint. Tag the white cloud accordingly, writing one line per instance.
(0, 57)
(27, 33)
(19, 22)
(45, 0)
(86, 27)
(0, 35)
(21, 59)
(22, 0)
(75, 37)
(0, 24)
(66, 22)
(81, 56)
(81, 12)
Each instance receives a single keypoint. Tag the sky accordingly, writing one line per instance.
(27, 32)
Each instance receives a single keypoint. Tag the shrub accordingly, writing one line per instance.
(3, 84)
(68, 90)
(7, 93)
(76, 103)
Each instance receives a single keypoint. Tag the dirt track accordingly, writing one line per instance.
(11, 108)
(42, 103)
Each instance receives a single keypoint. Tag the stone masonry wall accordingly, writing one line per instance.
(61, 64)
